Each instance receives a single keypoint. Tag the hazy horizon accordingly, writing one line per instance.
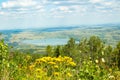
(63, 26)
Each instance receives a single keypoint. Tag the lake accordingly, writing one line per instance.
(47, 41)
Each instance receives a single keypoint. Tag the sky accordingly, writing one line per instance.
(18, 14)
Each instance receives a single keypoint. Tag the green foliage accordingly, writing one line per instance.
(118, 54)
(49, 50)
(90, 59)
(4, 63)
(69, 48)
(91, 71)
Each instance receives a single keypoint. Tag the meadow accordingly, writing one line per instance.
(90, 59)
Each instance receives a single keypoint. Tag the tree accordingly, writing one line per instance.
(118, 55)
(57, 52)
(49, 50)
(95, 45)
(69, 48)
(107, 53)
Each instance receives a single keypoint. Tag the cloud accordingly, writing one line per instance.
(96, 1)
(18, 3)
(2, 13)
(21, 7)
(59, 7)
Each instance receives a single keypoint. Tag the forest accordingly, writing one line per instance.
(90, 59)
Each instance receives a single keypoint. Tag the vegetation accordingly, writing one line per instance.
(110, 33)
(90, 59)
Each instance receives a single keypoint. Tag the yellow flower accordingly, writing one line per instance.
(31, 67)
(72, 63)
(43, 60)
(48, 58)
(53, 63)
(69, 74)
(67, 58)
(38, 70)
(55, 66)
(37, 61)
(56, 73)
(58, 60)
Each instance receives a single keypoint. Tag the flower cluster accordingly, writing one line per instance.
(56, 66)
(55, 61)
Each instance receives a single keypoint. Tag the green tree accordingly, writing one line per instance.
(107, 54)
(49, 50)
(95, 46)
(118, 55)
(58, 51)
(70, 47)
(83, 47)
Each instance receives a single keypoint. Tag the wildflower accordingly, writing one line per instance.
(96, 61)
(31, 67)
(43, 60)
(38, 70)
(48, 58)
(112, 77)
(58, 60)
(56, 66)
(72, 63)
(52, 63)
(67, 58)
(56, 73)
(103, 60)
(69, 74)
(102, 53)
(37, 61)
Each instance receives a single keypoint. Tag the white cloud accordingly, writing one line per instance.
(96, 1)
(61, 9)
(18, 3)
(15, 7)
(56, 2)
(108, 3)
(78, 8)
(64, 8)
(58, 7)
(2, 13)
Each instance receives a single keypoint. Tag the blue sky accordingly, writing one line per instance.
(15, 14)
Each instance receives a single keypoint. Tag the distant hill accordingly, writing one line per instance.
(110, 33)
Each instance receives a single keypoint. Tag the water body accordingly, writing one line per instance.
(48, 41)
